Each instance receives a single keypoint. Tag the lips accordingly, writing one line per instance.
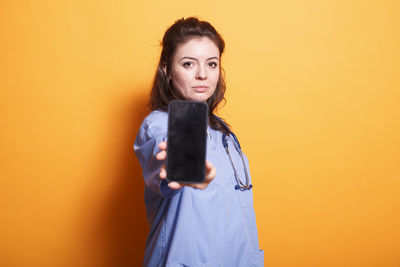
(200, 88)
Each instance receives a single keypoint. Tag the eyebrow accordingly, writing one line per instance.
(193, 58)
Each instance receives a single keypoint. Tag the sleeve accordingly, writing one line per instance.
(152, 131)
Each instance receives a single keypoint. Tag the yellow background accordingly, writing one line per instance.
(313, 95)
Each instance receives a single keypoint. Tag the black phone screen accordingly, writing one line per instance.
(187, 141)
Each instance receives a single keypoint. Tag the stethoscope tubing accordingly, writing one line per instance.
(240, 185)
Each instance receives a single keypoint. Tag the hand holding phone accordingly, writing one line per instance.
(187, 141)
(186, 149)
(210, 171)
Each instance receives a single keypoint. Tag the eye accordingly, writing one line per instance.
(187, 64)
(213, 64)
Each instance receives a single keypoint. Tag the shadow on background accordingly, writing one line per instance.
(123, 226)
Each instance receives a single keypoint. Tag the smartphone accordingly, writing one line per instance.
(187, 141)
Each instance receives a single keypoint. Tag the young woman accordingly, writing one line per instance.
(206, 224)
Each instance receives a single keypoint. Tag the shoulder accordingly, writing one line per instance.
(156, 118)
(156, 115)
(155, 125)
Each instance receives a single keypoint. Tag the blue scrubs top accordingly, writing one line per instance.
(193, 227)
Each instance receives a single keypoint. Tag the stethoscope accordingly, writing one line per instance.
(225, 136)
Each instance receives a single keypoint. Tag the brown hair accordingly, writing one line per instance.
(162, 92)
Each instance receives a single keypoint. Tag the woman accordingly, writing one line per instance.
(207, 224)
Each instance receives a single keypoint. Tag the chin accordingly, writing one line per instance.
(199, 98)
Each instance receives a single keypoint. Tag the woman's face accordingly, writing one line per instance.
(195, 69)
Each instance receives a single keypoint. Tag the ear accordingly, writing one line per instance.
(164, 69)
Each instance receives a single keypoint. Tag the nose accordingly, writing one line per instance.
(201, 73)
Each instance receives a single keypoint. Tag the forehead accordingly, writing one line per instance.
(198, 47)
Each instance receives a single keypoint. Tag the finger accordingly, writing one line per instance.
(211, 172)
(163, 173)
(211, 175)
(175, 185)
(162, 155)
(162, 145)
(200, 186)
(209, 166)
